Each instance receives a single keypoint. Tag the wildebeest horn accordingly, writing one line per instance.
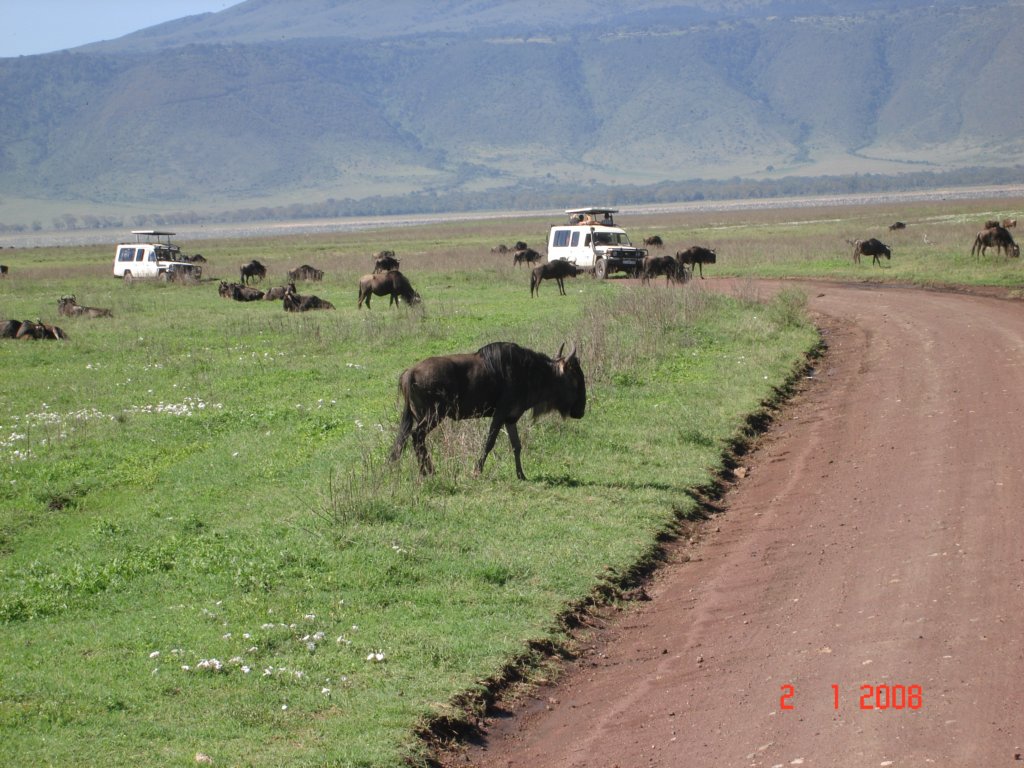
(560, 349)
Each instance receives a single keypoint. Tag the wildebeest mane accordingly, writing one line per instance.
(528, 373)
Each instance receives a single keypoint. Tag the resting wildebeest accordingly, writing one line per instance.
(997, 237)
(252, 269)
(501, 381)
(500, 248)
(293, 302)
(391, 283)
(278, 292)
(654, 241)
(663, 265)
(244, 293)
(38, 330)
(870, 247)
(696, 255)
(385, 261)
(9, 329)
(897, 225)
(525, 256)
(556, 270)
(69, 307)
(306, 272)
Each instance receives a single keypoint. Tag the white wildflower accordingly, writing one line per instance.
(154, 654)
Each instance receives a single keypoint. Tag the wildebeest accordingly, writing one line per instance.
(244, 292)
(3, 270)
(252, 269)
(1009, 223)
(278, 292)
(305, 272)
(9, 329)
(500, 248)
(871, 247)
(501, 380)
(696, 255)
(556, 270)
(663, 265)
(525, 256)
(997, 237)
(196, 259)
(992, 223)
(391, 283)
(385, 261)
(293, 302)
(897, 225)
(33, 330)
(69, 307)
(654, 241)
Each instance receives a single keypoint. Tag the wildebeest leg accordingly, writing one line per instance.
(517, 447)
(419, 444)
(492, 437)
(700, 268)
(561, 285)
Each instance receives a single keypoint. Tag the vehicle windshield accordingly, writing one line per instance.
(611, 238)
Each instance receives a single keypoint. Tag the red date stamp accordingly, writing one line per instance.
(872, 697)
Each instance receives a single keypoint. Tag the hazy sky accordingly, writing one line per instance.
(41, 26)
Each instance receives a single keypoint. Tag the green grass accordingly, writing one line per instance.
(203, 484)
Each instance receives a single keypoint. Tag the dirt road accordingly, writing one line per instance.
(860, 602)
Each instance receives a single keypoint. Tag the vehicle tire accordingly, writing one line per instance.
(128, 278)
(601, 269)
(165, 276)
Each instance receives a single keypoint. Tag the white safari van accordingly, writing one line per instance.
(593, 242)
(152, 255)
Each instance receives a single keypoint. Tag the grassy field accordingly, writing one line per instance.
(203, 550)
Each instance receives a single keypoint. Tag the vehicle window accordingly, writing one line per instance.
(139, 254)
(561, 238)
(575, 239)
(586, 242)
(603, 238)
(152, 256)
(126, 254)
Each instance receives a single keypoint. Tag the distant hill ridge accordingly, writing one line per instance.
(269, 102)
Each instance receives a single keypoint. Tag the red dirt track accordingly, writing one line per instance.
(877, 540)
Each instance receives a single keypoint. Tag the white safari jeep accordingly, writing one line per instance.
(152, 255)
(593, 242)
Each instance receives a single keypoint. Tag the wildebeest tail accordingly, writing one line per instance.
(405, 424)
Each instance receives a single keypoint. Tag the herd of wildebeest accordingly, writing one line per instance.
(501, 380)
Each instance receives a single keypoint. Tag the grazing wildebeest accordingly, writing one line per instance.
(391, 283)
(253, 269)
(871, 247)
(992, 224)
(197, 259)
(556, 270)
(696, 255)
(654, 241)
(306, 272)
(501, 381)
(3, 270)
(293, 302)
(278, 292)
(69, 307)
(663, 265)
(997, 237)
(1009, 223)
(385, 261)
(525, 256)
(244, 293)
(897, 225)
(9, 329)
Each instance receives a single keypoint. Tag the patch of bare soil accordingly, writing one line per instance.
(859, 600)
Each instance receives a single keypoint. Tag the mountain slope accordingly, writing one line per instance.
(346, 98)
